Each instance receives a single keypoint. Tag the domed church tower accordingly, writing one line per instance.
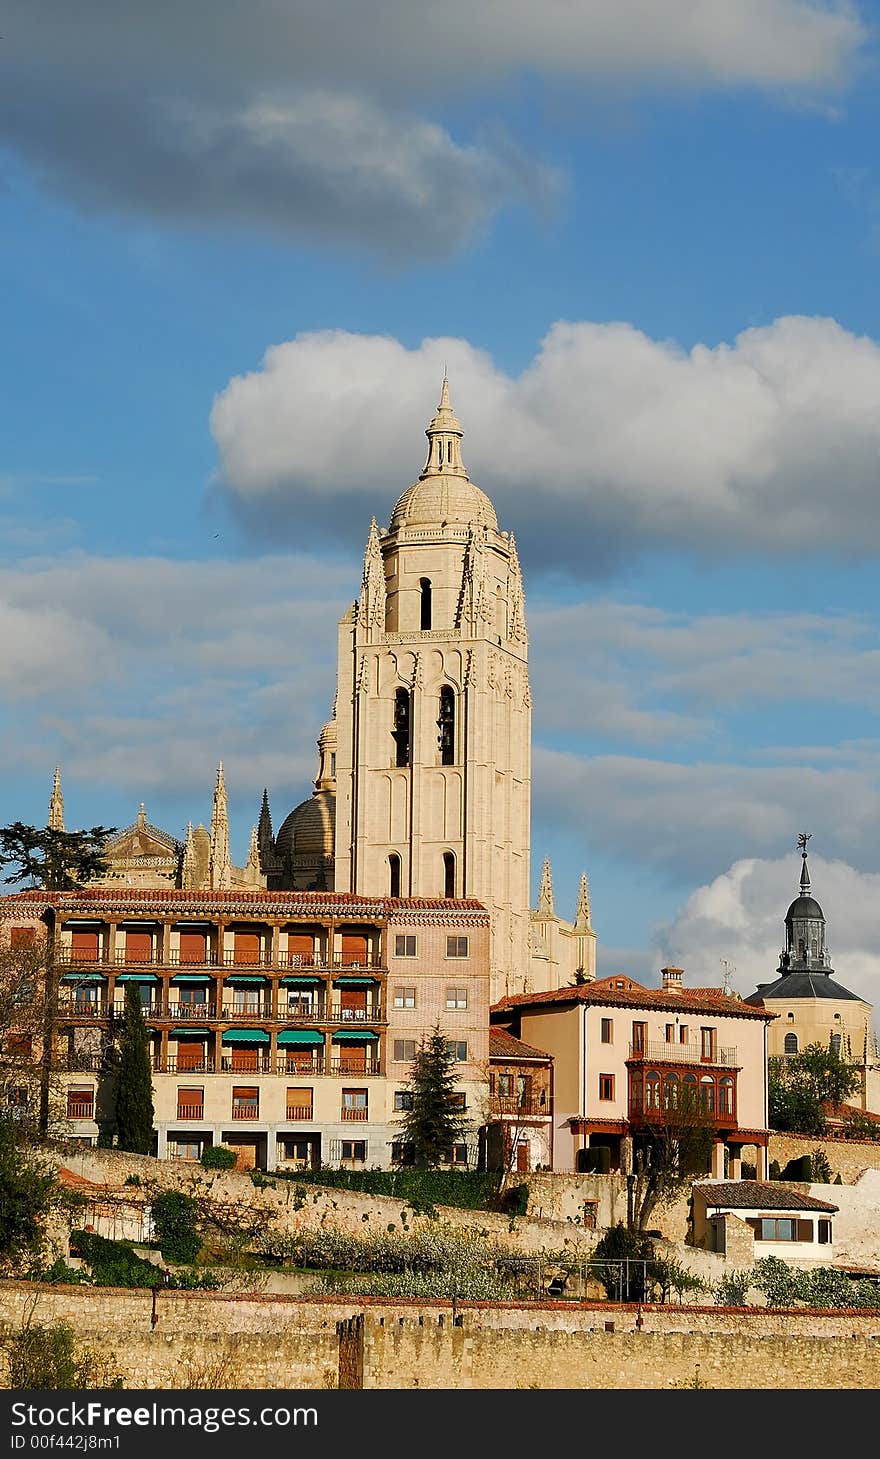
(434, 711)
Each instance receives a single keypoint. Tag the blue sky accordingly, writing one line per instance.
(645, 239)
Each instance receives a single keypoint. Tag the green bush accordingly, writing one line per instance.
(43, 1355)
(619, 1245)
(114, 1263)
(218, 1157)
(821, 1169)
(420, 1190)
(732, 1289)
(174, 1221)
(775, 1170)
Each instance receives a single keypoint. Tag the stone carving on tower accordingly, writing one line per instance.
(220, 865)
(56, 804)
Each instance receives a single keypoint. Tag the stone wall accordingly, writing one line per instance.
(259, 1342)
(848, 1158)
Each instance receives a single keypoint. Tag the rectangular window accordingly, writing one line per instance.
(81, 1103)
(404, 1050)
(18, 1097)
(299, 1104)
(670, 1033)
(606, 1086)
(405, 944)
(457, 1049)
(457, 1155)
(186, 1149)
(456, 998)
(245, 1102)
(456, 947)
(639, 1037)
(607, 1034)
(778, 1228)
(403, 1099)
(404, 997)
(707, 1045)
(354, 1151)
(403, 1153)
(824, 1232)
(190, 1103)
(458, 1099)
(683, 1034)
(354, 1104)
(505, 1086)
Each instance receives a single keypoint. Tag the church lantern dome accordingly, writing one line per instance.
(444, 494)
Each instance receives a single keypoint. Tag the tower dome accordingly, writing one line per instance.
(444, 493)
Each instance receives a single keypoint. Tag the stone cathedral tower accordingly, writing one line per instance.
(433, 708)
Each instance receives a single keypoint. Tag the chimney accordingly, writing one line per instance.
(671, 979)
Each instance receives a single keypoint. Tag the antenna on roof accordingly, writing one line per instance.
(727, 970)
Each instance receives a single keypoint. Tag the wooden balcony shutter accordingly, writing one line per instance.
(354, 948)
(193, 947)
(190, 1053)
(245, 1059)
(84, 942)
(805, 1230)
(301, 943)
(247, 947)
(352, 999)
(138, 946)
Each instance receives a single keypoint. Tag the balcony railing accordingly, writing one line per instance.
(263, 1065)
(82, 1007)
(80, 1109)
(172, 1065)
(500, 1105)
(354, 1113)
(249, 1111)
(281, 961)
(190, 1111)
(673, 1053)
(299, 1112)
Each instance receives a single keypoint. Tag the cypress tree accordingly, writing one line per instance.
(434, 1122)
(134, 1080)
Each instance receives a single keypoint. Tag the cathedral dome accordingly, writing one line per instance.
(803, 907)
(309, 829)
(434, 500)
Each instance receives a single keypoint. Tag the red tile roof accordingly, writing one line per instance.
(239, 899)
(621, 991)
(760, 1195)
(503, 1045)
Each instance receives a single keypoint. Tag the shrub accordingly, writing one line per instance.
(624, 1251)
(218, 1157)
(114, 1263)
(775, 1170)
(421, 1190)
(46, 1355)
(174, 1221)
(732, 1289)
(821, 1169)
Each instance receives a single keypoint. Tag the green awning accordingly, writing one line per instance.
(82, 978)
(245, 1036)
(192, 978)
(300, 1036)
(355, 1036)
(136, 978)
(234, 979)
(296, 982)
(188, 1033)
(356, 982)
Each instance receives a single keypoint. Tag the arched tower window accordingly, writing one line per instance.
(448, 874)
(835, 1043)
(401, 731)
(791, 1043)
(446, 723)
(425, 617)
(394, 874)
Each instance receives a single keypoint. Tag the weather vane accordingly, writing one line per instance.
(803, 838)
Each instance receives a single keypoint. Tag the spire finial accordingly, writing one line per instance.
(545, 895)
(444, 439)
(582, 915)
(56, 803)
(803, 838)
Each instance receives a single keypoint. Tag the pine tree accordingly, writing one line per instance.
(434, 1122)
(134, 1081)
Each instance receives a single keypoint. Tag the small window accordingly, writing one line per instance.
(446, 725)
(457, 1155)
(425, 603)
(403, 1152)
(18, 1097)
(458, 1099)
(607, 1030)
(404, 1050)
(670, 1033)
(457, 1050)
(835, 1043)
(404, 996)
(639, 1037)
(606, 1086)
(405, 944)
(394, 875)
(456, 998)
(707, 1044)
(401, 731)
(456, 947)
(824, 1231)
(354, 1099)
(448, 874)
(683, 1034)
(778, 1228)
(505, 1086)
(190, 1103)
(791, 1043)
(403, 1099)
(245, 1102)
(354, 1150)
(80, 1103)
(187, 1149)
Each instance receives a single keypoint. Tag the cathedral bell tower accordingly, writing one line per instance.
(434, 710)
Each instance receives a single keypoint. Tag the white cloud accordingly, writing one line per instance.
(609, 442)
(740, 915)
(313, 121)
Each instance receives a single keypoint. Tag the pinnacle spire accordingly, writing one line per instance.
(56, 804)
(582, 915)
(545, 895)
(220, 864)
(444, 439)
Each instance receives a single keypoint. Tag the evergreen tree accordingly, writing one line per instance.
(434, 1122)
(58, 861)
(134, 1080)
(27, 1188)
